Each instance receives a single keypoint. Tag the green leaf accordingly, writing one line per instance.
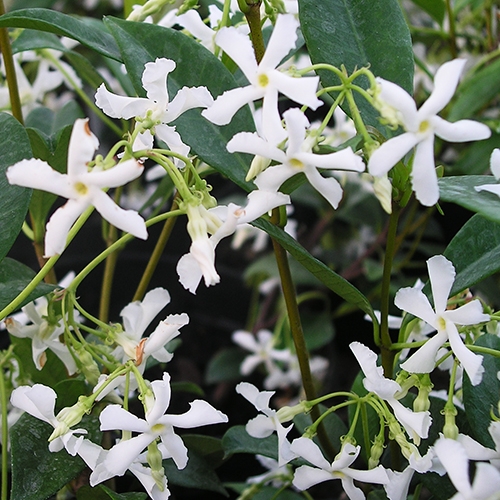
(61, 24)
(141, 43)
(225, 365)
(33, 40)
(460, 190)
(14, 277)
(475, 252)
(318, 329)
(237, 440)
(322, 272)
(266, 492)
(359, 33)
(482, 399)
(475, 159)
(101, 492)
(197, 474)
(435, 8)
(476, 92)
(37, 473)
(14, 201)
(208, 447)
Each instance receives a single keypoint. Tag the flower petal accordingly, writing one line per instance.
(461, 131)
(424, 359)
(390, 152)
(328, 187)
(282, 41)
(441, 275)
(296, 124)
(38, 400)
(115, 417)
(398, 99)
(189, 272)
(423, 175)
(454, 459)
(415, 302)
(126, 220)
(117, 106)
(344, 159)
(470, 313)
(306, 476)
(260, 203)
(185, 99)
(273, 177)
(154, 80)
(308, 449)
(81, 149)
(301, 90)
(199, 413)
(162, 392)
(495, 163)
(248, 142)
(114, 177)
(121, 456)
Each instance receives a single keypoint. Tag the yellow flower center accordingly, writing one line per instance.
(295, 163)
(158, 428)
(424, 126)
(441, 322)
(263, 80)
(81, 188)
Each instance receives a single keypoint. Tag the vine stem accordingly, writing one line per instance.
(5, 437)
(385, 338)
(10, 71)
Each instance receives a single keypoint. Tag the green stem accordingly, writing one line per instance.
(386, 341)
(16, 303)
(298, 335)
(253, 18)
(10, 71)
(156, 255)
(117, 244)
(451, 34)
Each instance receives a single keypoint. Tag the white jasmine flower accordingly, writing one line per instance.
(495, 170)
(262, 346)
(136, 318)
(416, 424)
(156, 425)
(264, 425)
(307, 476)
(200, 261)
(297, 158)
(39, 401)
(81, 187)
(412, 300)
(453, 457)
(157, 106)
(265, 80)
(420, 128)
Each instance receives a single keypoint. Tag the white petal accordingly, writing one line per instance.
(495, 163)
(472, 363)
(445, 84)
(199, 413)
(468, 314)
(38, 400)
(282, 41)
(346, 457)
(247, 142)
(490, 188)
(296, 124)
(454, 459)
(328, 187)
(344, 159)
(441, 275)
(397, 98)
(260, 426)
(306, 476)
(415, 302)
(272, 129)
(246, 340)
(114, 177)
(301, 90)
(115, 417)
(120, 457)
(390, 152)
(81, 149)
(225, 106)
(486, 481)
(164, 333)
(475, 450)
(154, 80)
(162, 392)
(260, 203)
(308, 449)
(37, 174)
(189, 272)
(417, 422)
(126, 220)
(250, 392)
(239, 48)
(424, 360)
(461, 131)
(423, 175)
(172, 138)
(273, 177)
(59, 225)
(185, 99)
(175, 447)
(117, 106)
(399, 483)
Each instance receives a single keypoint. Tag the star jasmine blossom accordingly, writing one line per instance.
(156, 110)
(413, 301)
(265, 80)
(81, 187)
(420, 126)
(297, 158)
(307, 476)
(416, 424)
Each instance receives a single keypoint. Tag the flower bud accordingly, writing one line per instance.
(450, 428)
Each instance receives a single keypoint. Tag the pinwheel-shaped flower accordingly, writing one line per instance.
(156, 107)
(412, 300)
(420, 128)
(265, 80)
(81, 187)
(454, 459)
(307, 476)
(264, 425)
(416, 424)
(297, 158)
(136, 318)
(156, 425)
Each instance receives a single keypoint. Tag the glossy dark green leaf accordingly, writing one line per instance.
(225, 365)
(237, 440)
(322, 272)
(266, 492)
(37, 473)
(435, 8)
(460, 190)
(359, 33)
(14, 147)
(141, 43)
(14, 277)
(318, 329)
(208, 447)
(476, 92)
(102, 492)
(482, 399)
(61, 24)
(33, 39)
(198, 473)
(475, 252)
(475, 159)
